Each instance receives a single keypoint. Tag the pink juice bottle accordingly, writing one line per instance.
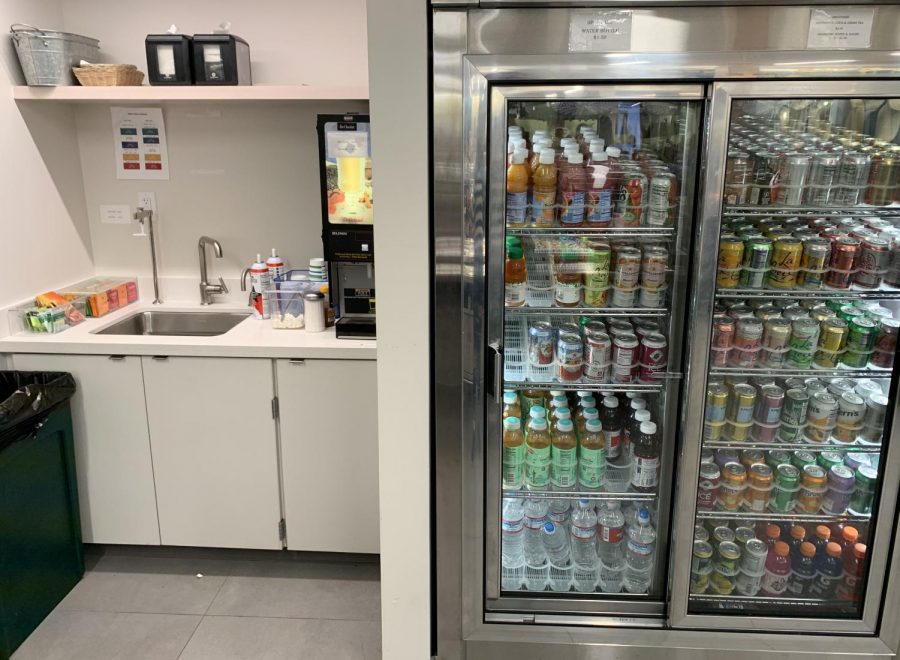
(778, 570)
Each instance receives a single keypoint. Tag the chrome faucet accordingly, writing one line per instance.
(146, 216)
(206, 289)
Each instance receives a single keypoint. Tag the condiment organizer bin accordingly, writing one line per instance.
(104, 294)
(30, 317)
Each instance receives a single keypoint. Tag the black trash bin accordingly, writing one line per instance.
(40, 530)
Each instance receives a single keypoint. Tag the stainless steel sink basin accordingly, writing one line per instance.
(176, 324)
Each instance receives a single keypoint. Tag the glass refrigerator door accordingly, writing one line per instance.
(800, 381)
(597, 198)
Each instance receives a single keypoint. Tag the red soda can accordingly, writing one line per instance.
(844, 254)
(885, 344)
(654, 357)
(625, 352)
(722, 340)
(708, 490)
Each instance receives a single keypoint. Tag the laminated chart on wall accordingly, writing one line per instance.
(139, 135)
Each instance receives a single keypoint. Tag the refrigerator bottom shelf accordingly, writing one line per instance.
(551, 581)
(785, 606)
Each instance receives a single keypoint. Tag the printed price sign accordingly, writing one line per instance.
(599, 31)
(839, 27)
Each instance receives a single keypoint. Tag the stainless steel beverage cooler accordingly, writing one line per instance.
(751, 223)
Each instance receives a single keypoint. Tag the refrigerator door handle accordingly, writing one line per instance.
(496, 365)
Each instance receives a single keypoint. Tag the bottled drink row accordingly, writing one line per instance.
(594, 351)
(777, 481)
(782, 560)
(553, 440)
(816, 165)
(556, 180)
(587, 273)
(809, 253)
(840, 411)
(806, 334)
(561, 547)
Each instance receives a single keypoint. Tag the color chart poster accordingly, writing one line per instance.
(140, 138)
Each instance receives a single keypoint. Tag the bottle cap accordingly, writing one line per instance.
(537, 411)
(559, 401)
(583, 393)
(514, 252)
(537, 424)
(564, 425)
(599, 156)
(773, 531)
(512, 423)
(643, 515)
(510, 397)
(850, 535)
(549, 527)
(593, 425)
(610, 402)
(822, 531)
(649, 428)
(807, 549)
(798, 532)
(519, 156)
(638, 404)
(613, 152)
(613, 504)
(564, 142)
(642, 415)
(575, 158)
(590, 413)
(859, 550)
(597, 143)
(514, 129)
(585, 503)
(833, 549)
(548, 156)
(782, 548)
(563, 413)
(557, 392)
(588, 401)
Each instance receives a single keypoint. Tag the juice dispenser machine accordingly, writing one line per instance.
(347, 220)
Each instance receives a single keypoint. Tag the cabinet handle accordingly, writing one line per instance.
(117, 358)
(297, 361)
(160, 358)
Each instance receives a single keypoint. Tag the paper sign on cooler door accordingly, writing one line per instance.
(594, 31)
(840, 27)
(139, 135)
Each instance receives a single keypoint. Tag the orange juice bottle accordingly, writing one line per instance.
(544, 192)
(515, 276)
(517, 189)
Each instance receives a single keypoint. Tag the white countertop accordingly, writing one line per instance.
(250, 338)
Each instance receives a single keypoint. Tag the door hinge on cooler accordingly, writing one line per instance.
(276, 409)
(282, 530)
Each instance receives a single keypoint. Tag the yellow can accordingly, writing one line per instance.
(786, 255)
(731, 255)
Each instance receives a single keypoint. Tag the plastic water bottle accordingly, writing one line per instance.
(512, 527)
(533, 545)
(559, 511)
(584, 535)
(639, 554)
(556, 544)
(611, 534)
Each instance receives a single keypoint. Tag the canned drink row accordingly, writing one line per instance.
(840, 412)
(808, 259)
(827, 483)
(787, 335)
(618, 351)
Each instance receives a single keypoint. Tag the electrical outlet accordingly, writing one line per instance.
(147, 200)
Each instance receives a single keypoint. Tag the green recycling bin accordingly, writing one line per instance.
(41, 555)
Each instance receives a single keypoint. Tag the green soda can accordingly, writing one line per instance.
(803, 342)
(793, 415)
(849, 312)
(787, 483)
(860, 342)
(757, 254)
(828, 459)
(802, 458)
(777, 457)
(596, 280)
(834, 304)
(864, 494)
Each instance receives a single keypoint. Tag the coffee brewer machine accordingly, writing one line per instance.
(345, 155)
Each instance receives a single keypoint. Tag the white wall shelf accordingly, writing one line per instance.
(190, 93)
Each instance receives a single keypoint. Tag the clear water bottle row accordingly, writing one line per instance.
(564, 544)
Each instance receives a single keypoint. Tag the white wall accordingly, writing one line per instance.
(44, 236)
(398, 77)
(291, 41)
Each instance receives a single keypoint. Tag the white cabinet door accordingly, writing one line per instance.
(112, 446)
(329, 454)
(214, 451)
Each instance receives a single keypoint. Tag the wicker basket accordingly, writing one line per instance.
(108, 75)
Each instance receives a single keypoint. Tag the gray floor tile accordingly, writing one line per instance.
(147, 584)
(108, 636)
(232, 638)
(301, 590)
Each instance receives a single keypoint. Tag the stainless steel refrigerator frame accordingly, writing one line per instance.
(473, 51)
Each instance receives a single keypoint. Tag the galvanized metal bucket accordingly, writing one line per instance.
(47, 56)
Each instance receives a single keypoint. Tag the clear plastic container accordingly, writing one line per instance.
(43, 319)
(103, 295)
(618, 476)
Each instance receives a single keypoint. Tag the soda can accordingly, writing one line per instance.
(873, 422)
(716, 402)
(821, 417)
(654, 263)
(886, 344)
(849, 312)
(832, 338)
(627, 268)
(708, 490)
(792, 178)
(569, 356)
(645, 327)
(765, 173)
(596, 279)
(731, 253)
(794, 312)
(747, 342)
(737, 170)
(540, 343)
(731, 489)
(756, 496)
(652, 298)
(597, 355)
(838, 386)
(874, 258)
(776, 335)
(786, 257)
(623, 297)
(619, 327)
(820, 182)
(892, 277)
(753, 558)
(852, 178)
(653, 357)
(860, 342)
(844, 254)
(776, 457)
(828, 459)
(755, 262)
(768, 407)
(793, 414)
(625, 358)
(863, 497)
(883, 180)
(814, 263)
(785, 487)
(742, 403)
(803, 342)
(663, 200)
(631, 199)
